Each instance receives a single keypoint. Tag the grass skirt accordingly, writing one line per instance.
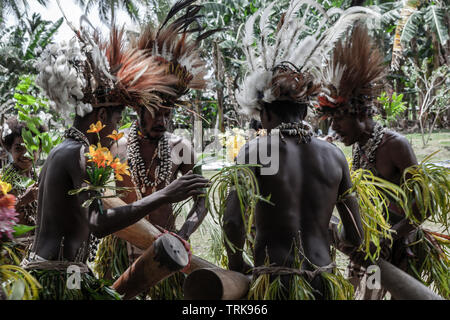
(333, 286)
(54, 287)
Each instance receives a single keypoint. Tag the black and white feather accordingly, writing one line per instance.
(304, 36)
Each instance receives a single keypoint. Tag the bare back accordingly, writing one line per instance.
(304, 192)
(60, 215)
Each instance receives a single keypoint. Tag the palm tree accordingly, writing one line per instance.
(107, 8)
(416, 13)
(16, 7)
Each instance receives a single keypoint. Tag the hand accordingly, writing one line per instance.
(358, 256)
(28, 196)
(185, 187)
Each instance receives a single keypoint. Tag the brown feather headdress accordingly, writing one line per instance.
(174, 48)
(353, 76)
(89, 72)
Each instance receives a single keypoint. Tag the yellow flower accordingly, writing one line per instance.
(5, 187)
(234, 140)
(120, 169)
(96, 128)
(115, 135)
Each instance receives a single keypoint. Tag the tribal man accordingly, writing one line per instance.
(156, 156)
(292, 243)
(350, 83)
(97, 79)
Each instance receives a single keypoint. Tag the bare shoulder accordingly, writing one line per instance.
(67, 150)
(67, 154)
(329, 148)
(392, 139)
(398, 148)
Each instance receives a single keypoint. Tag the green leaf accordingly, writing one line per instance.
(125, 126)
(436, 18)
(20, 229)
(411, 27)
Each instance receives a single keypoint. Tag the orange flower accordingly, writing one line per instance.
(101, 156)
(115, 135)
(7, 201)
(120, 169)
(96, 128)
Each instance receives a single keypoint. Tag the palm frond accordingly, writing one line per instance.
(18, 284)
(427, 187)
(374, 195)
(431, 264)
(436, 18)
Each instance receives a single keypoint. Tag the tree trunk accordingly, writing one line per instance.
(198, 127)
(218, 64)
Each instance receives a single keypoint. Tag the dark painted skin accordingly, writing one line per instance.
(393, 156)
(310, 179)
(61, 215)
(153, 129)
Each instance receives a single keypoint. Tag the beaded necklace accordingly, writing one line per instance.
(75, 134)
(364, 156)
(301, 129)
(139, 174)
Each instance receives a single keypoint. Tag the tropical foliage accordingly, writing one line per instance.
(20, 46)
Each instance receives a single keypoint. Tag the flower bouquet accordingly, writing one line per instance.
(102, 170)
(15, 282)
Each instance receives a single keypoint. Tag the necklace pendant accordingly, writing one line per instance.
(143, 189)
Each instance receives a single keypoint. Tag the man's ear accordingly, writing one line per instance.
(102, 115)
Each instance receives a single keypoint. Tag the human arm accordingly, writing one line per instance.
(198, 211)
(233, 223)
(233, 227)
(104, 223)
(347, 206)
(116, 219)
(402, 157)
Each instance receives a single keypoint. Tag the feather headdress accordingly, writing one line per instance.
(174, 47)
(89, 72)
(352, 77)
(285, 62)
